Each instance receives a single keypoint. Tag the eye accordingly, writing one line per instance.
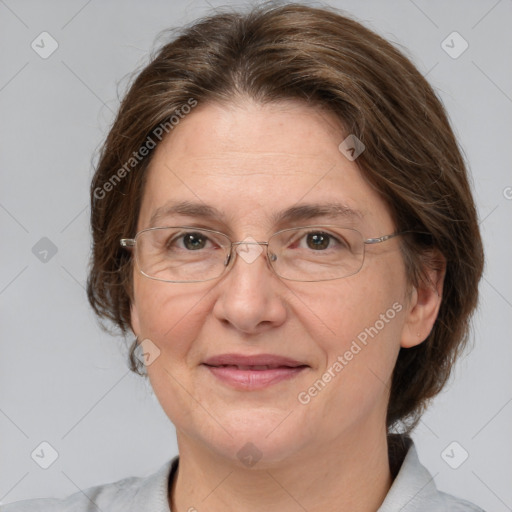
(320, 241)
(192, 241)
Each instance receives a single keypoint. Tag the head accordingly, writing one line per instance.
(245, 113)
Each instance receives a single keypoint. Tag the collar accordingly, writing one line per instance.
(413, 488)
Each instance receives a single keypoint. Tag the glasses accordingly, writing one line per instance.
(184, 254)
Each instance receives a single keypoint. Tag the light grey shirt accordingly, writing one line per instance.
(413, 490)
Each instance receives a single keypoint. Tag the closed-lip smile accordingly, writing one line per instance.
(253, 372)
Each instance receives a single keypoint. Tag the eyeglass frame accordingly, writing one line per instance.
(131, 243)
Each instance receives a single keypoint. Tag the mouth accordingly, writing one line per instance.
(258, 368)
(253, 377)
(256, 361)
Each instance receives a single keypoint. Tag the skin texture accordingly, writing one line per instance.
(250, 161)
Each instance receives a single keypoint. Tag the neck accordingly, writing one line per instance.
(350, 474)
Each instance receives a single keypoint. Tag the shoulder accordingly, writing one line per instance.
(128, 494)
(414, 490)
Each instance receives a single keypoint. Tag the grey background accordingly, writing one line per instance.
(64, 381)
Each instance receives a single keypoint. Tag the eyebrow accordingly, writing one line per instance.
(332, 210)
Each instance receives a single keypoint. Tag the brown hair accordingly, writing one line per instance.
(318, 56)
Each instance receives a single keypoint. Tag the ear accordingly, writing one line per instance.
(424, 303)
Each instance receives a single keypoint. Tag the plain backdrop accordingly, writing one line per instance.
(65, 382)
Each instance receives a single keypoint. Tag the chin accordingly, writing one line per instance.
(256, 442)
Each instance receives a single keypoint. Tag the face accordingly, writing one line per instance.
(251, 162)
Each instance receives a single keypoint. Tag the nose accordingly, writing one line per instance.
(249, 297)
(249, 249)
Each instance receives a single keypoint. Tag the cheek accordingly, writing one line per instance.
(361, 307)
(170, 315)
(360, 325)
(360, 356)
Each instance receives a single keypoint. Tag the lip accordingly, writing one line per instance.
(248, 380)
(235, 370)
(254, 360)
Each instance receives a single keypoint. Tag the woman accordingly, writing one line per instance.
(282, 217)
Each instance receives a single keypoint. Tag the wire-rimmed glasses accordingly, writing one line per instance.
(186, 254)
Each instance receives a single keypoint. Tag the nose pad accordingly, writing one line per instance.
(272, 257)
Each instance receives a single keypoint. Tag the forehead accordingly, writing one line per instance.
(251, 162)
